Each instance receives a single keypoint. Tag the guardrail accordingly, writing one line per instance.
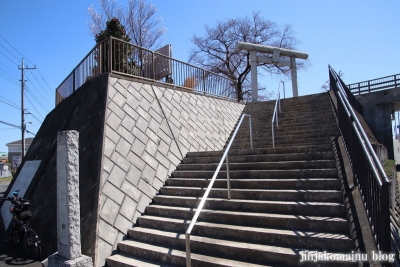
(116, 56)
(384, 83)
(225, 156)
(368, 172)
(275, 115)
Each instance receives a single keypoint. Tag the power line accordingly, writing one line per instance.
(27, 60)
(15, 49)
(45, 81)
(10, 104)
(8, 79)
(9, 52)
(51, 100)
(9, 124)
(8, 74)
(34, 107)
(9, 58)
(34, 117)
(42, 105)
(8, 100)
(38, 91)
(16, 126)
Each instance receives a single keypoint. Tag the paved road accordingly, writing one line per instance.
(9, 256)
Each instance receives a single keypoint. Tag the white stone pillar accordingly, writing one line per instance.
(254, 85)
(293, 69)
(68, 208)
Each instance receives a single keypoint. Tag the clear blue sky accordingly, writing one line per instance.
(359, 37)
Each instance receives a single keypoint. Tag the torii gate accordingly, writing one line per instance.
(276, 53)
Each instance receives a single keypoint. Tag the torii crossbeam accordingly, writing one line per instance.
(276, 53)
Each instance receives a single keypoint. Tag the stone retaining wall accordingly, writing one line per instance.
(148, 131)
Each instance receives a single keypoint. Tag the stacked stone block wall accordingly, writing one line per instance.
(148, 131)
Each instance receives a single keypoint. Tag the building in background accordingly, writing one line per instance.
(15, 149)
(3, 157)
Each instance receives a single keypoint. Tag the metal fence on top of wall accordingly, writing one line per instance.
(116, 56)
(384, 83)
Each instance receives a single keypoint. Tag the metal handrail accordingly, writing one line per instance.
(365, 164)
(203, 200)
(275, 115)
(358, 127)
(123, 58)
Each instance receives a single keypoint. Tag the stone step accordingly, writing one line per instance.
(174, 256)
(334, 209)
(247, 252)
(307, 117)
(158, 217)
(289, 130)
(257, 194)
(124, 260)
(285, 134)
(306, 139)
(263, 158)
(275, 174)
(281, 165)
(256, 235)
(285, 121)
(266, 144)
(306, 184)
(283, 137)
(268, 150)
(261, 132)
(287, 109)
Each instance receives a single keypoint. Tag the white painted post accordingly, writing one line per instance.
(254, 87)
(293, 70)
(68, 207)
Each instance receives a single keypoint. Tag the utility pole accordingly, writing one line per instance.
(23, 125)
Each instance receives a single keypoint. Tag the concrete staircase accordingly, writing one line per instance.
(285, 199)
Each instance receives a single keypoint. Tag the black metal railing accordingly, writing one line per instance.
(369, 175)
(384, 83)
(116, 56)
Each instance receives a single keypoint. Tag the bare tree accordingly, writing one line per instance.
(326, 86)
(216, 50)
(138, 17)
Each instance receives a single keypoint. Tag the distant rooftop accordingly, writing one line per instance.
(28, 141)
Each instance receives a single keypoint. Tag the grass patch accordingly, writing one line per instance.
(6, 179)
(389, 167)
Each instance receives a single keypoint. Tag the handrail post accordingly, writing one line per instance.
(204, 81)
(100, 62)
(153, 66)
(110, 55)
(188, 255)
(273, 136)
(251, 133)
(277, 120)
(279, 97)
(228, 181)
